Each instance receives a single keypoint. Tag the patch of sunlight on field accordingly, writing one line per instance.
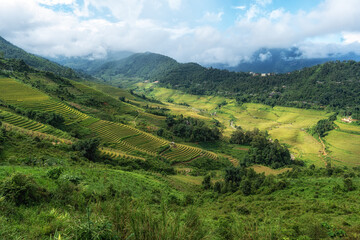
(348, 127)
(268, 171)
(287, 117)
(203, 102)
(285, 134)
(263, 114)
(344, 148)
(186, 112)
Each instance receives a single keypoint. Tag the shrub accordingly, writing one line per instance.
(348, 185)
(207, 182)
(55, 173)
(22, 189)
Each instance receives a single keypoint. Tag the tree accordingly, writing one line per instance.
(348, 185)
(88, 148)
(207, 182)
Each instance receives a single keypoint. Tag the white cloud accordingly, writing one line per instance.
(265, 56)
(56, 2)
(175, 4)
(135, 26)
(240, 7)
(212, 17)
(263, 2)
(351, 37)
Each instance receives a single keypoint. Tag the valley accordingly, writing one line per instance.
(82, 158)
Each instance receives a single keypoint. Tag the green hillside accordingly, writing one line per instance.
(84, 107)
(333, 84)
(9, 50)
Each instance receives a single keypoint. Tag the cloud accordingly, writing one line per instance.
(56, 2)
(265, 56)
(175, 4)
(263, 2)
(212, 17)
(153, 25)
(351, 37)
(239, 7)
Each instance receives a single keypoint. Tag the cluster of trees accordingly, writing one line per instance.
(262, 149)
(246, 180)
(157, 110)
(88, 148)
(332, 84)
(324, 125)
(191, 129)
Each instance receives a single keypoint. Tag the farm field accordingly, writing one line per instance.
(343, 148)
(284, 123)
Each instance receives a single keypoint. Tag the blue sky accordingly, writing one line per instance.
(204, 31)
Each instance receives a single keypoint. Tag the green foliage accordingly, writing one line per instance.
(323, 126)
(55, 173)
(263, 150)
(348, 185)
(191, 129)
(239, 136)
(268, 153)
(206, 183)
(23, 190)
(88, 148)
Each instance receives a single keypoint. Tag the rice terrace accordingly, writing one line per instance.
(178, 120)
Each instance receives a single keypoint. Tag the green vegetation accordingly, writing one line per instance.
(81, 160)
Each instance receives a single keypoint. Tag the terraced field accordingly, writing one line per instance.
(22, 95)
(116, 153)
(130, 140)
(183, 153)
(125, 139)
(26, 123)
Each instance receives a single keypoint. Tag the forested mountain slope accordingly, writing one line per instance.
(332, 84)
(11, 51)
